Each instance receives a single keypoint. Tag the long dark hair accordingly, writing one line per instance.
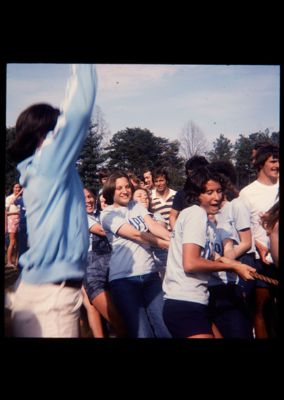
(32, 126)
(269, 219)
(196, 184)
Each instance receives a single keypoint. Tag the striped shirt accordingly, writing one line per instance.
(163, 206)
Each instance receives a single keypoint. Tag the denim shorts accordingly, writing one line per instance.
(229, 311)
(248, 287)
(96, 276)
(186, 318)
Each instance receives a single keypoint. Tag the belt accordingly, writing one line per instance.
(70, 283)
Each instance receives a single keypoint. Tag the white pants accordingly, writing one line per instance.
(46, 310)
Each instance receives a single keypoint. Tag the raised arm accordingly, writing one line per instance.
(64, 144)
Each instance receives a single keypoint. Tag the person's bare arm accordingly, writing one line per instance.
(228, 249)
(193, 262)
(128, 231)
(274, 243)
(157, 229)
(173, 217)
(235, 251)
(97, 229)
(245, 243)
(263, 252)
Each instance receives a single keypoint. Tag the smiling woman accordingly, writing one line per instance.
(134, 281)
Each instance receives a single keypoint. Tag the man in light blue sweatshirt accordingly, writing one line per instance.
(48, 299)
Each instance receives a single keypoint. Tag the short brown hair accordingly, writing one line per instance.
(109, 187)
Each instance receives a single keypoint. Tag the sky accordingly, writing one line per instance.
(219, 99)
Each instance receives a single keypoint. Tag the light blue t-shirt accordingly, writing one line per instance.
(53, 193)
(221, 277)
(233, 217)
(128, 258)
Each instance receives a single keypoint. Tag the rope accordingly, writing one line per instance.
(265, 278)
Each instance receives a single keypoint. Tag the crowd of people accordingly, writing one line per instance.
(137, 259)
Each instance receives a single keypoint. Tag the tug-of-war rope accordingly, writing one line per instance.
(265, 278)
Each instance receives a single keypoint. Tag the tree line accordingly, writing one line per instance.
(137, 148)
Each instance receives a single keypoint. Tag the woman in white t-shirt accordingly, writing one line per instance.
(143, 196)
(134, 282)
(193, 251)
(231, 297)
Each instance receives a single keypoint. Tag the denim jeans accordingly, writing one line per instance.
(139, 300)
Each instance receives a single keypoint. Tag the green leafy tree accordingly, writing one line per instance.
(275, 137)
(135, 148)
(259, 136)
(92, 155)
(243, 149)
(223, 149)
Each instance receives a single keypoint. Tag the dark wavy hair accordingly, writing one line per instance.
(195, 184)
(228, 173)
(160, 172)
(32, 126)
(195, 162)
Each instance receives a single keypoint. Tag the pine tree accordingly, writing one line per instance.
(223, 149)
(91, 156)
